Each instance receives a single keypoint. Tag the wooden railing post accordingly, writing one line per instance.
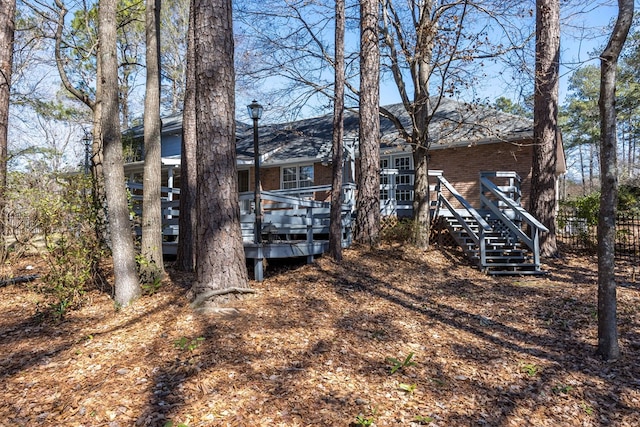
(310, 231)
(536, 246)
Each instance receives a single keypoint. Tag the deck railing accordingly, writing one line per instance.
(512, 215)
(442, 201)
(288, 218)
(292, 226)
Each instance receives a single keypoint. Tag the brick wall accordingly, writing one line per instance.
(269, 177)
(462, 166)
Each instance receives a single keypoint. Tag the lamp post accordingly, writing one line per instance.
(255, 112)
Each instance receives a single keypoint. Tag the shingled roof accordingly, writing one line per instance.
(454, 124)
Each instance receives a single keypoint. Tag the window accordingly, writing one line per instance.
(243, 181)
(384, 178)
(297, 177)
(396, 178)
(404, 181)
(243, 186)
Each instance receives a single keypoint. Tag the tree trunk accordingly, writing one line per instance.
(7, 27)
(152, 266)
(582, 172)
(220, 266)
(592, 162)
(422, 113)
(545, 127)
(123, 96)
(368, 198)
(607, 319)
(124, 266)
(335, 228)
(186, 259)
(97, 169)
(419, 109)
(421, 214)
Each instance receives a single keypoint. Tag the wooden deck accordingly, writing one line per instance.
(291, 226)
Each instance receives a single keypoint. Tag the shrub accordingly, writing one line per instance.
(60, 210)
(397, 230)
(72, 248)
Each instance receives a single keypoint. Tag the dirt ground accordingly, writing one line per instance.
(314, 347)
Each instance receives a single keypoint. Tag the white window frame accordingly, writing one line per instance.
(297, 182)
(390, 195)
(403, 162)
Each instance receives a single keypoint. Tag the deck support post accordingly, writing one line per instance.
(258, 266)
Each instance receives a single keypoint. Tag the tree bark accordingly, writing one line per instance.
(126, 284)
(608, 346)
(7, 30)
(421, 213)
(368, 198)
(335, 227)
(545, 126)
(152, 266)
(220, 253)
(421, 113)
(186, 260)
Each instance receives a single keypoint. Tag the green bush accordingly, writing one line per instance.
(629, 199)
(72, 248)
(588, 206)
(61, 211)
(398, 230)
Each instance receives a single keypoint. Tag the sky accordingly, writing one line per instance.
(582, 31)
(584, 34)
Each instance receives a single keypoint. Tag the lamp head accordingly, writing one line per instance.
(255, 110)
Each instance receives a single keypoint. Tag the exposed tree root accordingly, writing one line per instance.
(202, 298)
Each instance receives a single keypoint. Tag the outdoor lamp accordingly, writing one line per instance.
(255, 112)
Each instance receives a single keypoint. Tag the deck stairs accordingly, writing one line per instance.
(500, 238)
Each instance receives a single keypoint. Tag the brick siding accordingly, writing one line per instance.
(461, 166)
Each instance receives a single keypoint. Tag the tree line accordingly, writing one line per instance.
(579, 118)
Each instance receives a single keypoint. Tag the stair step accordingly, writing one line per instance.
(504, 254)
(494, 246)
(508, 260)
(518, 273)
(510, 265)
(464, 235)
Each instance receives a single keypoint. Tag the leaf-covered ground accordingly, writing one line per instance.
(313, 347)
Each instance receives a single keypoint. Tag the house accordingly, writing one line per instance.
(296, 156)
(472, 146)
